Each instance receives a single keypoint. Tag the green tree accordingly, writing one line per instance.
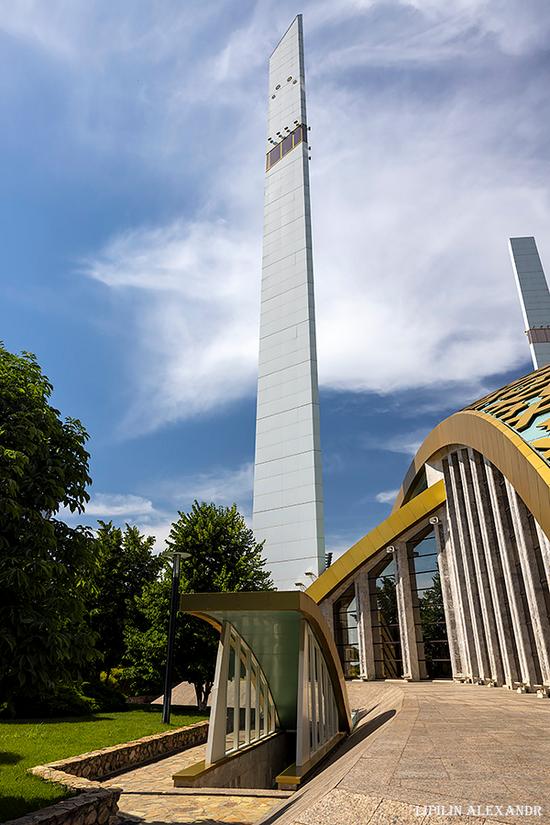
(125, 564)
(146, 640)
(45, 565)
(224, 556)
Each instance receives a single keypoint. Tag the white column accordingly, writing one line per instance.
(460, 594)
(247, 696)
(215, 747)
(506, 550)
(364, 626)
(544, 549)
(237, 699)
(494, 570)
(480, 568)
(532, 579)
(405, 611)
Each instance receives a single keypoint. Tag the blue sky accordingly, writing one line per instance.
(132, 147)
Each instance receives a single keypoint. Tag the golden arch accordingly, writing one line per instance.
(528, 473)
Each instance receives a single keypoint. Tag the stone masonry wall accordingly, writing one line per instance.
(96, 804)
(102, 763)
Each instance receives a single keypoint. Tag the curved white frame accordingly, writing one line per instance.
(221, 743)
(317, 713)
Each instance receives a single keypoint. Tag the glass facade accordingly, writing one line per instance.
(345, 631)
(285, 146)
(385, 622)
(429, 615)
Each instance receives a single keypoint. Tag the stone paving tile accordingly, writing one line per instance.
(395, 813)
(448, 744)
(157, 776)
(460, 792)
(366, 773)
(421, 767)
(192, 810)
(339, 806)
(454, 820)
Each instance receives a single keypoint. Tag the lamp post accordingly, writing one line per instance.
(167, 699)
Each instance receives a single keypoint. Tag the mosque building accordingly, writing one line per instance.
(453, 584)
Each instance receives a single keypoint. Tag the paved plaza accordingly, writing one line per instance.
(415, 745)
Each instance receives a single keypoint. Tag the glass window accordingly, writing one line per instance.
(287, 144)
(273, 156)
(298, 135)
(345, 626)
(385, 622)
(250, 710)
(431, 628)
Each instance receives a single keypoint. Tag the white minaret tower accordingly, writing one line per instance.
(288, 488)
(534, 297)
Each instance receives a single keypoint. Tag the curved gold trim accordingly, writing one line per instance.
(397, 523)
(517, 461)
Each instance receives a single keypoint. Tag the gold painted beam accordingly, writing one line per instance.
(382, 535)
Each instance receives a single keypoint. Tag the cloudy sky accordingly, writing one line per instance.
(132, 185)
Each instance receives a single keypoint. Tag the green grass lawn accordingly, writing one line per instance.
(26, 744)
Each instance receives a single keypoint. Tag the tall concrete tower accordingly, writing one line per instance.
(288, 488)
(534, 297)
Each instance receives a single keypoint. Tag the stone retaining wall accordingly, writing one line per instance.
(103, 763)
(97, 807)
(96, 804)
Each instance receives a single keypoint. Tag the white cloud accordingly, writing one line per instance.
(112, 505)
(75, 31)
(427, 148)
(386, 496)
(406, 443)
(159, 529)
(219, 485)
(196, 289)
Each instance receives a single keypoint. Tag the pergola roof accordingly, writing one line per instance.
(269, 622)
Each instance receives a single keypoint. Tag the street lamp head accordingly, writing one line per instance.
(300, 585)
(310, 574)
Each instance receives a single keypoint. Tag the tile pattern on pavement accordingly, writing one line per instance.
(149, 796)
(466, 746)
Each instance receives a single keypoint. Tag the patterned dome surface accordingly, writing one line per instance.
(524, 406)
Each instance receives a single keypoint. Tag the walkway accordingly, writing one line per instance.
(149, 796)
(432, 744)
(415, 745)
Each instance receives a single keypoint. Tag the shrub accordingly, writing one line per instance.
(107, 696)
(64, 700)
